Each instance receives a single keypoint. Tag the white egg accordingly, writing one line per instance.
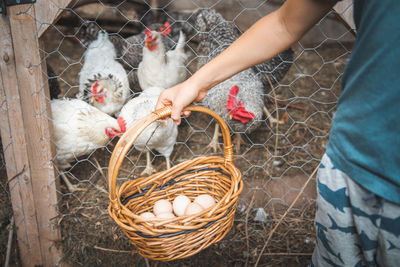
(165, 215)
(162, 206)
(205, 201)
(179, 205)
(147, 215)
(193, 208)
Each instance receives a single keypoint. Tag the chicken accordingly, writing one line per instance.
(129, 50)
(238, 99)
(102, 77)
(79, 129)
(161, 68)
(215, 31)
(164, 137)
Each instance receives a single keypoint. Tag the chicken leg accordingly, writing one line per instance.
(214, 141)
(71, 188)
(269, 117)
(149, 167)
(168, 162)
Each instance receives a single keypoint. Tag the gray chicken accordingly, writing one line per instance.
(237, 100)
(223, 32)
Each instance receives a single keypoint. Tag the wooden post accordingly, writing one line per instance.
(48, 12)
(345, 10)
(15, 153)
(26, 138)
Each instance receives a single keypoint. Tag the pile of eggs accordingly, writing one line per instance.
(181, 206)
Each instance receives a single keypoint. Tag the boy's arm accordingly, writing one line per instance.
(266, 38)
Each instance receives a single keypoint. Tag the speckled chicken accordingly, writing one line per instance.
(237, 100)
(240, 95)
(215, 31)
(164, 137)
(102, 78)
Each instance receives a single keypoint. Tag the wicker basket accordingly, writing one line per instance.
(179, 237)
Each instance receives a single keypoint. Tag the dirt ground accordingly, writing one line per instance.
(275, 161)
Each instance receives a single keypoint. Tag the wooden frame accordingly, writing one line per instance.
(26, 131)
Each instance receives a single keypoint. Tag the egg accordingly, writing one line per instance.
(205, 201)
(162, 206)
(147, 215)
(179, 205)
(193, 208)
(165, 215)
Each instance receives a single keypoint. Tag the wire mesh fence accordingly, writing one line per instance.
(7, 233)
(277, 153)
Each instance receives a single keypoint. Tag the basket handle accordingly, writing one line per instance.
(129, 137)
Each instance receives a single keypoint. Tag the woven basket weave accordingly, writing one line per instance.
(179, 237)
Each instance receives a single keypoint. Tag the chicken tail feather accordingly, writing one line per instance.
(181, 41)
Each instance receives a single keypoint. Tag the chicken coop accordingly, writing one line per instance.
(69, 70)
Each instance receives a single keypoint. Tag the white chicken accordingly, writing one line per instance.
(102, 78)
(79, 129)
(156, 136)
(158, 67)
(130, 49)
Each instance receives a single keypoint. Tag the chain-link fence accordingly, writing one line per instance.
(276, 155)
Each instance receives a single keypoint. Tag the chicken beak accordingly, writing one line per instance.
(230, 116)
(92, 100)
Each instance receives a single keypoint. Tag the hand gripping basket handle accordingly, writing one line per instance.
(126, 141)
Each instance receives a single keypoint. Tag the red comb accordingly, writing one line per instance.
(165, 30)
(148, 31)
(94, 88)
(231, 103)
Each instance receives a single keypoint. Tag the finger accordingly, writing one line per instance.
(186, 113)
(159, 103)
(176, 114)
(162, 101)
(164, 120)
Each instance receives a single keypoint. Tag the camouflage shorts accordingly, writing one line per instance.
(354, 227)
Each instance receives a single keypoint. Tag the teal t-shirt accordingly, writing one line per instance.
(365, 137)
